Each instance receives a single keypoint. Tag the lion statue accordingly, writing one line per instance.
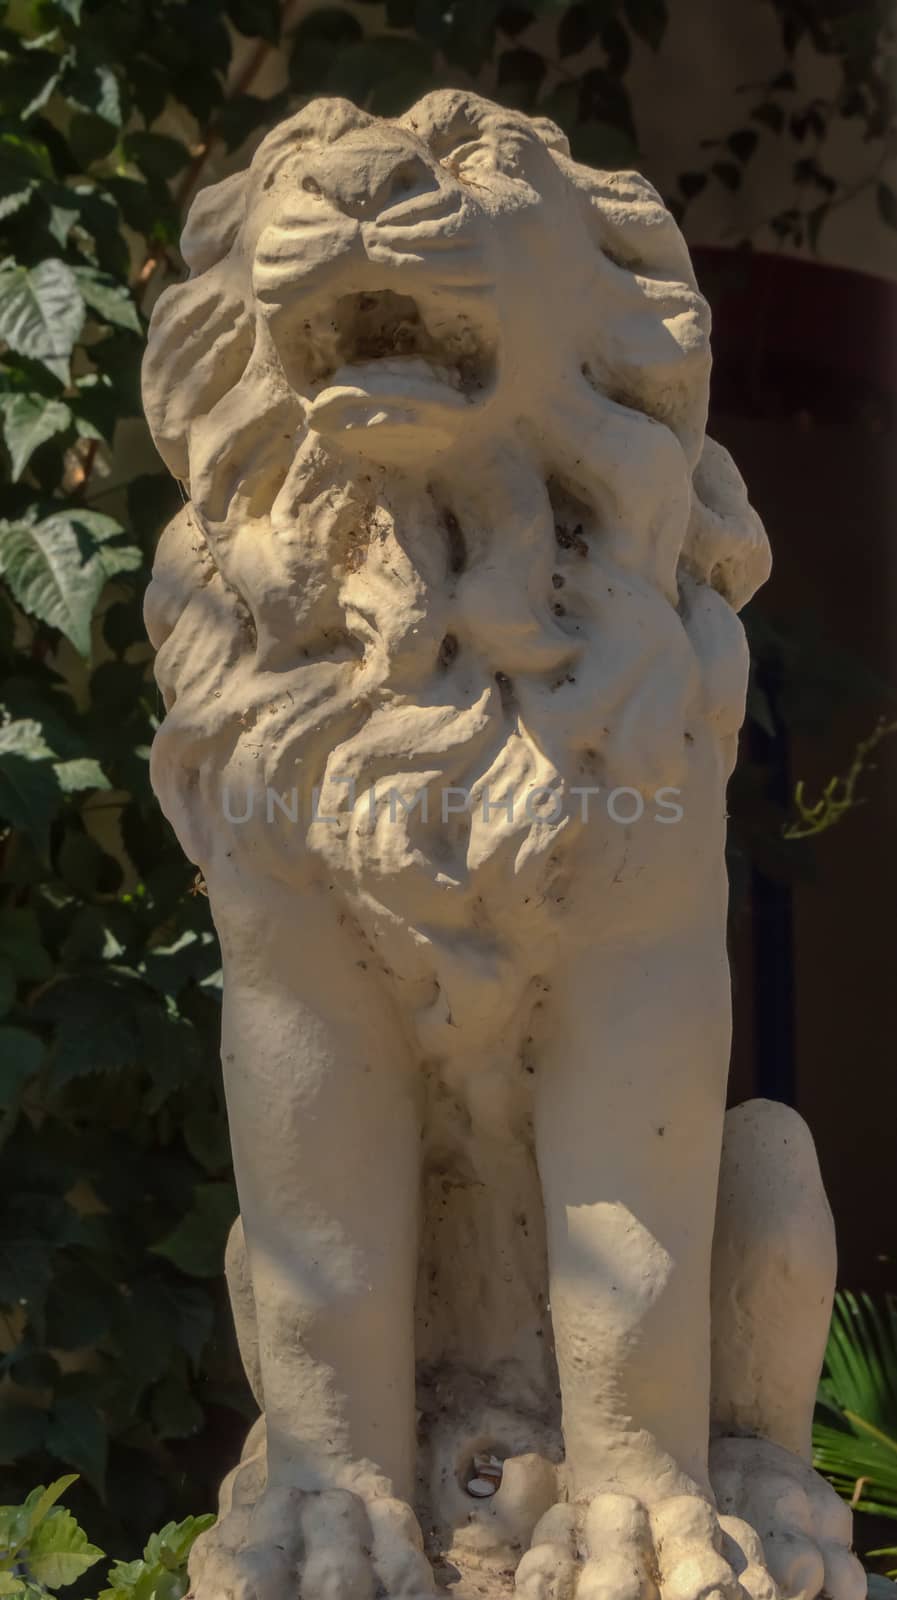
(448, 643)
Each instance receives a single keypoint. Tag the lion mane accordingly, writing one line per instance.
(519, 573)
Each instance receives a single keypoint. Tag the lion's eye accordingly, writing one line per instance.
(311, 186)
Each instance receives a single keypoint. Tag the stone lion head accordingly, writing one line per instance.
(437, 394)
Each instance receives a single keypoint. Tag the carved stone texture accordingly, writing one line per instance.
(453, 676)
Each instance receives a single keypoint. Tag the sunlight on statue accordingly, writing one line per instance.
(519, 1304)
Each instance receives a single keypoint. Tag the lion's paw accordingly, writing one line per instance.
(804, 1526)
(327, 1545)
(616, 1548)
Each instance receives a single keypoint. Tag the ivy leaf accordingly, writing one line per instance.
(91, 138)
(21, 1057)
(243, 113)
(21, 944)
(196, 1245)
(256, 18)
(81, 773)
(156, 153)
(317, 42)
(109, 298)
(519, 75)
(95, 407)
(7, 985)
(41, 313)
(602, 144)
(886, 200)
(23, 164)
(174, 1409)
(728, 174)
(70, 9)
(76, 1435)
(743, 143)
(59, 1551)
(22, 1428)
(56, 568)
(28, 420)
(96, 1027)
(648, 18)
(770, 115)
(692, 183)
(30, 794)
(578, 26)
(94, 87)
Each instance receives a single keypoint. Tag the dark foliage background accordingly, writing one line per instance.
(115, 1193)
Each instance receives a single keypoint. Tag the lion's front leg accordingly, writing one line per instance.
(322, 1100)
(630, 1103)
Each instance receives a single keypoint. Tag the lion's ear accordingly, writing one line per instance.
(633, 226)
(552, 135)
(726, 544)
(201, 331)
(200, 339)
(215, 219)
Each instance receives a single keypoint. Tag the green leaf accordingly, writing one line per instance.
(161, 1575)
(886, 200)
(41, 313)
(28, 420)
(110, 299)
(172, 1544)
(40, 1500)
(59, 1551)
(56, 568)
(196, 1245)
(21, 1057)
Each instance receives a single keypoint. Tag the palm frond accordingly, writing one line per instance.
(861, 1359)
(889, 1550)
(855, 1433)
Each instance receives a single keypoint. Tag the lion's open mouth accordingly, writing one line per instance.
(379, 345)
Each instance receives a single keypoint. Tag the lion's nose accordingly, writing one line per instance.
(365, 179)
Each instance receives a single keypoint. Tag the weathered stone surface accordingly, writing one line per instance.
(453, 675)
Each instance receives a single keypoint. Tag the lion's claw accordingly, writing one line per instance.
(804, 1527)
(616, 1548)
(326, 1545)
